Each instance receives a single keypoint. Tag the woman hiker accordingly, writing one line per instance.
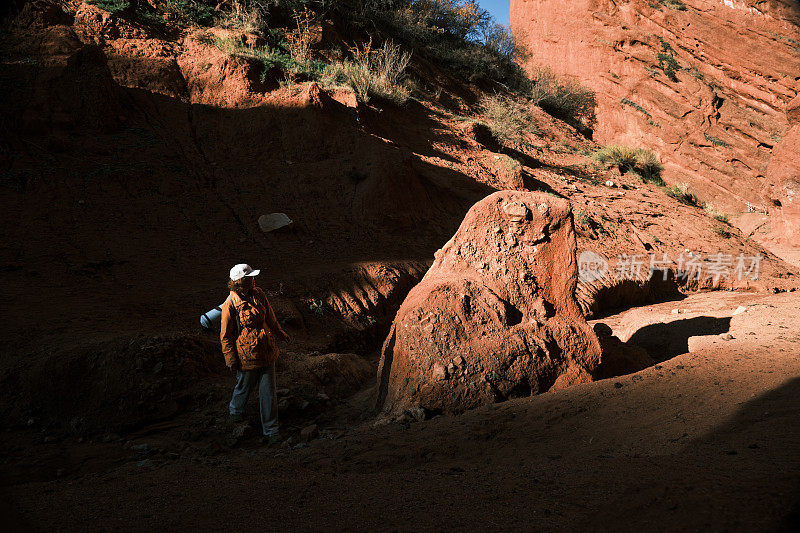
(247, 334)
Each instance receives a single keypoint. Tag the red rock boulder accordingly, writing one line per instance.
(495, 317)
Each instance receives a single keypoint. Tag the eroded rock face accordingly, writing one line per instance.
(495, 316)
(783, 182)
(704, 83)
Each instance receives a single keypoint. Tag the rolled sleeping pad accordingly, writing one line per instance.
(212, 320)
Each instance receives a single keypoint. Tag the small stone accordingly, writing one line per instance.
(273, 221)
(610, 183)
(439, 372)
(726, 336)
(517, 212)
(458, 361)
(109, 437)
(417, 413)
(739, 310)
(309, 433)
(241, 431)
(140, 448)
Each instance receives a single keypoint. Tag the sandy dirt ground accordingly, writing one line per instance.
(708, 438)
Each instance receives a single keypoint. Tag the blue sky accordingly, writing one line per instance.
(498, 9)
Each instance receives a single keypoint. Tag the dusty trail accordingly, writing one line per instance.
(706, 439)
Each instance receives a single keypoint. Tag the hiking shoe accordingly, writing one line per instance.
(269, 440)
(235, 419)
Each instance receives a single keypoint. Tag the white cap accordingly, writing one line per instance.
(242, 270)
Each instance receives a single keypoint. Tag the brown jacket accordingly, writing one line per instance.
(254, 345)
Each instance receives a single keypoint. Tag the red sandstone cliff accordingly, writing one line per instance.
(706, 83)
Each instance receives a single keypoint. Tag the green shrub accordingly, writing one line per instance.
(666, 60)
(334, 75)
(129, 9)
(585, 222)
(648, 167)
(723, 232)
(565, 99)
(716, 141)
(195, 11)
(624, 157)
(636, 106)
(115, 7)
(639, 161)
(672, 4)
(270, 57)
(509, 120)
(682, 193)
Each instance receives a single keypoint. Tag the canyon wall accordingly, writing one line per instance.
(707, 84)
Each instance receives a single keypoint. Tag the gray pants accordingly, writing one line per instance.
(264, 379)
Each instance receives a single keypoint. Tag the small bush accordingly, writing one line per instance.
(640, 161)
(586, 225)
(682, 193)
(300, 38)
(565, 99)
(194, 11)
(636, 106)
(244, 15)
(377, 72)
(334, 75)
(716, 213)
(716, 141)
(458, 35)
(271, 57)
(648, 167)
(129, 9)
(114, 7)
(624, 157)
(509, 164)
(723, 232)
(508, 120)
(666, 60)
(672, 4)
